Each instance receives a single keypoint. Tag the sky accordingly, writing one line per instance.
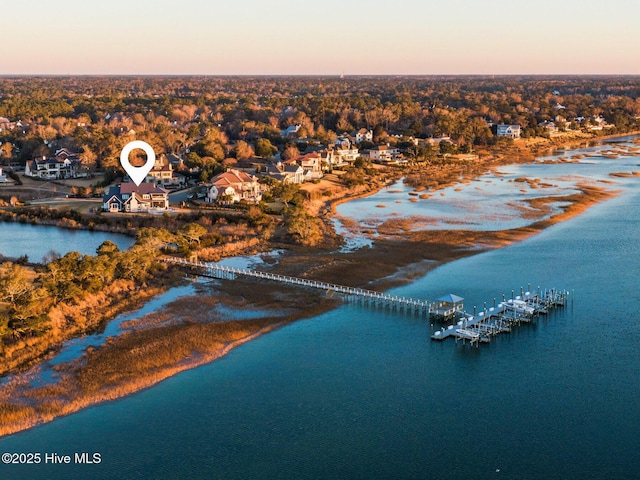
(328, 37)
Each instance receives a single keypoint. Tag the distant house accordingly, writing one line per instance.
(234, 186)
(433, 141)
(290, 132)
(128, 197)
(66, 154)
(311, 164)
(162, 174)
(5, 124)
(343, 141)
(176, 161)
(509, 131)
(293, 173)
(363, 135)
(383, 153)
(340, 156)
(54, 168)
(599, 123)
(550, 127)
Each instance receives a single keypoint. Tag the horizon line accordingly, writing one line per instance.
(316, 75)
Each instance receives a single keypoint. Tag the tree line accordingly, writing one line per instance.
(216, 121)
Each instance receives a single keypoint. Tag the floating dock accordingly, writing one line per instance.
(480, 327)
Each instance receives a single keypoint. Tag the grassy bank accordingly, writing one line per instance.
(157, 346)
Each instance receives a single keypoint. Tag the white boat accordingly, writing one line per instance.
(519, 306)
(467, 334)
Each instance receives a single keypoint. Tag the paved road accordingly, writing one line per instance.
(182, 196)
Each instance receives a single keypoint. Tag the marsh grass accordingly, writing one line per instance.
(625, 174)
(152, 351)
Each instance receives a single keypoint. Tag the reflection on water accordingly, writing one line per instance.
(35, 241)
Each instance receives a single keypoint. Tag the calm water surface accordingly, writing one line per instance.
(360, 393)
(17, 239)
(495, 201)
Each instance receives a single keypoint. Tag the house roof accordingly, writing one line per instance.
(65, 152)
(302, 158)
(165, 167)
(283, 170)
(143, 188)
(140, 198)
(174, 159)
(293, 168)
(232, 177)
(508, 127)
(116, 192)
(110, 197)
(289, 130)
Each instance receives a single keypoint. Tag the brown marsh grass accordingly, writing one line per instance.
(150, 353)
(625, 174)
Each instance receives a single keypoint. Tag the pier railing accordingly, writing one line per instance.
(224, 272)
(474, 328)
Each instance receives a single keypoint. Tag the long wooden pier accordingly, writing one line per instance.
(222, 272)
(476, 328)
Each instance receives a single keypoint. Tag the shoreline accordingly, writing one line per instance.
(52, 405)
(141, 359)
(445, 246)
(126, 389)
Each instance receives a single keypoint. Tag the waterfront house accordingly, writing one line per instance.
(311, 164)
(53, 168)
(383, 154)
(509, 131)
(340, 156)
(292, 173)
(128, 197)
(234, 186)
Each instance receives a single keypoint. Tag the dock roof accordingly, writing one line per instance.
(450, 298)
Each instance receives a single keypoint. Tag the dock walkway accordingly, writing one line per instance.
(481, 327)
(474, 328)
(223, 272)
